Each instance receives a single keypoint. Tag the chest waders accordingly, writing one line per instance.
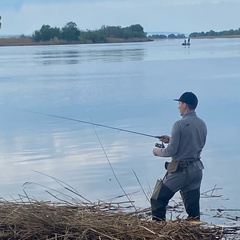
(189, 187)
(191, 198)
(160, 199)
(162, 194)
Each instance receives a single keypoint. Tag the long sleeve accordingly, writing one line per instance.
(172, 147)
(187, 139)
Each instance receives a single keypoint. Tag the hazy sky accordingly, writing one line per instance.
(184, 16)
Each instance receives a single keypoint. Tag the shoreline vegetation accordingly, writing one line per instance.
(73, 216)
(39, 220)
(70, 34)
(28, 41)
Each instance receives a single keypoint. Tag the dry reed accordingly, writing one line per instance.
(45, 220)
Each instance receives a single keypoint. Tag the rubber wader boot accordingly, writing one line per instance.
(191, 202)
(159, 204)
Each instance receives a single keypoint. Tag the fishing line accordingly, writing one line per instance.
(92, 123)
(141, 186)
(130, 201)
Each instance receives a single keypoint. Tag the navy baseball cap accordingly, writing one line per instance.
(188, 98)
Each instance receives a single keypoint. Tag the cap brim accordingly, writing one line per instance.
(176, 100)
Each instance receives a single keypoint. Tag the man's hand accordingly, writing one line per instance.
(155, 151)
(164, 138)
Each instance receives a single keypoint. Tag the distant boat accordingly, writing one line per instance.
(186, 42)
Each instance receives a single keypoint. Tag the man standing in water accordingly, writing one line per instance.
(184, 172)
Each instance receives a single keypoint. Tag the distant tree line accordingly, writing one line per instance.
(170, 36)
(71, 33)
(212, 33)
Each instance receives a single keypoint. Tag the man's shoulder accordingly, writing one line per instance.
(189, 119)
(179, 123)
(200, 120)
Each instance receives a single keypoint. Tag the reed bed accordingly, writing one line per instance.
(47, 220)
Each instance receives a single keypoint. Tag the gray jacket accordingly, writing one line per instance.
(187, 140)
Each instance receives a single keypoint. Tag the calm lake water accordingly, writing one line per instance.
(128, 86)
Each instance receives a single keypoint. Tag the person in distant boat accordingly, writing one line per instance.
(186, 42)
(184, 172)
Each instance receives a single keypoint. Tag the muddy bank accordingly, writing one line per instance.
(28, 41)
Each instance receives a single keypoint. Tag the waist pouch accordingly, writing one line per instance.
(176, 165)
(172, 166)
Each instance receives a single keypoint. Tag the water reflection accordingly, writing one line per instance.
(79, 54)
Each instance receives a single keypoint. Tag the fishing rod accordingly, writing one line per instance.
(93, 124)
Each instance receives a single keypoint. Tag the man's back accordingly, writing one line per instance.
(189, 134)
